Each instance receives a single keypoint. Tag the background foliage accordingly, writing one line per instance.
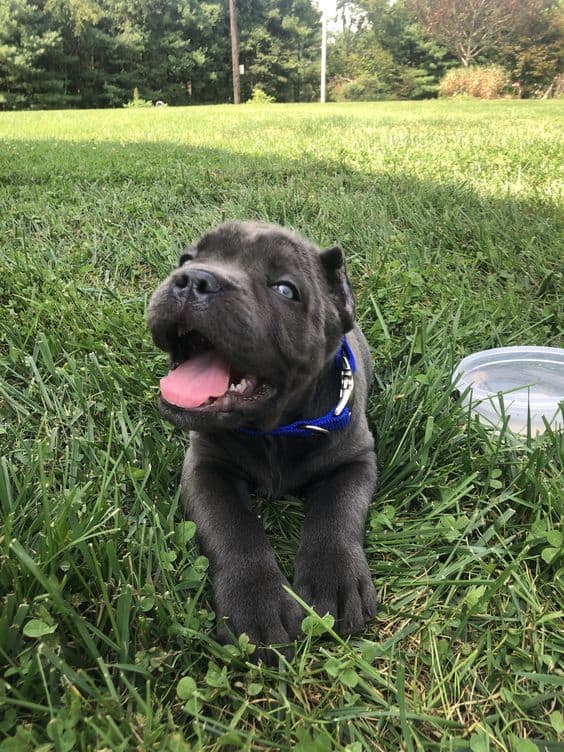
(93, 53)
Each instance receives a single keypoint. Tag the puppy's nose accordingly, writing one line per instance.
(197, 282)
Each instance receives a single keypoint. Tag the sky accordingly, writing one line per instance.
(329, 6)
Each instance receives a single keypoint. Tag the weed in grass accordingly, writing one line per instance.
(451, 218)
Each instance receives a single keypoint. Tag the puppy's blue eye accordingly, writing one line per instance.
(287, 290)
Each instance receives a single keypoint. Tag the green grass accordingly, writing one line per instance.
(450, 215)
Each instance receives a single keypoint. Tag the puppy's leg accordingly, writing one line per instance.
(246, 581)
(331, 571)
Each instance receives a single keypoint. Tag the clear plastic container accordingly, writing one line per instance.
(515, 382)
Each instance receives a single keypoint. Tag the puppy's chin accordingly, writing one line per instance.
(209, 420)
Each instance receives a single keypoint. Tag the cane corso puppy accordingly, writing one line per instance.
(254, 319)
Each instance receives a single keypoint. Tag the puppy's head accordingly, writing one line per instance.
(250, 318)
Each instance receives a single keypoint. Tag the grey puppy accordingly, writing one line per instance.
(253, 319)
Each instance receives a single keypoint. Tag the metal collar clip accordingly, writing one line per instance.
(345, 392)
(347, 385)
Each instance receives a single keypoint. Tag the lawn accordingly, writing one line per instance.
(450, 215)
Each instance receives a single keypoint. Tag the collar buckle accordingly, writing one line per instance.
(347, 385)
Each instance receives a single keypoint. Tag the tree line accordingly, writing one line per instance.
(404, 48)
(94, 53)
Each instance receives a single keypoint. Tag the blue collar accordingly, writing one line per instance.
(337, 418)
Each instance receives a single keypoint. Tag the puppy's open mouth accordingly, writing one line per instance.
(201, 377)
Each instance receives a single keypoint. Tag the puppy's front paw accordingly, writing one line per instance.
(257, 604)
(337, 581)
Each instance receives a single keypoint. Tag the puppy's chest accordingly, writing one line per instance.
(278, 467)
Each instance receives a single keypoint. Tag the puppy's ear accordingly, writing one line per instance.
(187, 255)
(333, 262)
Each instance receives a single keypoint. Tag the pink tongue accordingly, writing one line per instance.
(196, 380)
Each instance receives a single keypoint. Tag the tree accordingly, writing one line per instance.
(383, 52)
(532, 52)
(28, 38)
(467, 28)
(279, 46)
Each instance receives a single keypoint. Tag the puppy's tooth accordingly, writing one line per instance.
(239, 388)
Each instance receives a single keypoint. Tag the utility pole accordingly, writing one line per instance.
(234, 50)
(323, 52)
